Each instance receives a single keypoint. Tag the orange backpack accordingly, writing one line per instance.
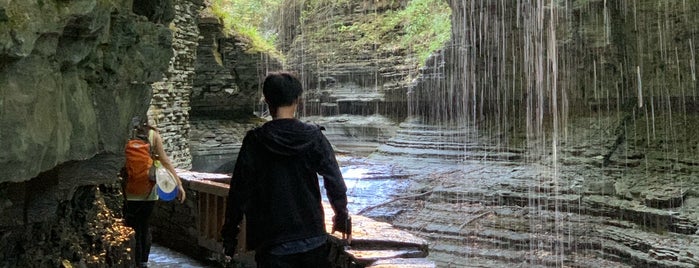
(139, 160)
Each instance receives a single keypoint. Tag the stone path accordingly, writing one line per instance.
(162, 257)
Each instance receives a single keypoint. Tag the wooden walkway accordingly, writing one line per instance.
(374, 244)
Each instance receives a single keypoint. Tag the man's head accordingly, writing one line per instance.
(281, 89)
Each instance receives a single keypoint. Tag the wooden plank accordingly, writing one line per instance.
(211, 217)
(210, 187)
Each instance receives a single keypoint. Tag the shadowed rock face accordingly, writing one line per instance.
(72, 74)
(228, 81)
(226, 93)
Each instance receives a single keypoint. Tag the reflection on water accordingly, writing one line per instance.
(369, 183)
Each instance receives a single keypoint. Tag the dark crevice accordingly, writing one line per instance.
(157, 11)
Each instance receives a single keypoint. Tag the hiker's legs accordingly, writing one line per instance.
(137, 216)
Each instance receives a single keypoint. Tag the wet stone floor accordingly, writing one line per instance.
(162, 257)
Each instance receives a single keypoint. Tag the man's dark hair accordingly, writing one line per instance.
(281, 89)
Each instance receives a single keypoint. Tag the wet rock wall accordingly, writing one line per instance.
(340, 75)
(594, 99)
(72, 75)
(512, 58)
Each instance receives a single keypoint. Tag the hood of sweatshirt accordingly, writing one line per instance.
(287, 136)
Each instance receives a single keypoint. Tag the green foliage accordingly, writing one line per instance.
(246, 18)
(427, 25)
(422, 27)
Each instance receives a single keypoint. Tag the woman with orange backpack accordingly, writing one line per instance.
(144, 151)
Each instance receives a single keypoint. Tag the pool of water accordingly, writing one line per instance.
(370, 183)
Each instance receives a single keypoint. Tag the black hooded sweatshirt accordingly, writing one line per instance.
(275, 185)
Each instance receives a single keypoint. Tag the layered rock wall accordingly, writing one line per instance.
(72, 75)
(595, 97)
(229, 73)
(170, 106)
(226, 94)
(510, 58)
(341, 75)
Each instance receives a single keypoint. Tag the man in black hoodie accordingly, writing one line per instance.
(275, 185)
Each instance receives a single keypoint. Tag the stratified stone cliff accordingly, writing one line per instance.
(340, 75)
(226, 94)
(229, 75)
(170, 107)
(597, 102)
(72, 74)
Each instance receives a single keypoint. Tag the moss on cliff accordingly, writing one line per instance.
(248, 19)
(417, 26)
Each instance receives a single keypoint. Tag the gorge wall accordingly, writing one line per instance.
(170, 106)
(524, 58)
(594, 100)
(72, 75)
(340, 74)
(226, 94)
(604, 91)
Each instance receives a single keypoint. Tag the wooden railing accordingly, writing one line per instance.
(212, 199)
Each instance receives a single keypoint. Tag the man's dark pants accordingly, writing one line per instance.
(317, 258)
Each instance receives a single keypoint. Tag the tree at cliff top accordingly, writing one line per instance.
(251, 20)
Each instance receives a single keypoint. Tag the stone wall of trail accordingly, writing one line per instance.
(72, 75)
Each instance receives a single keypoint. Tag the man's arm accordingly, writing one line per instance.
(237, 198)
(336, 189)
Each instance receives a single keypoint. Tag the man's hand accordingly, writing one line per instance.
(343, 224)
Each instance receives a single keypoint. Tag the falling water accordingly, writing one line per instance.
(549, 133)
